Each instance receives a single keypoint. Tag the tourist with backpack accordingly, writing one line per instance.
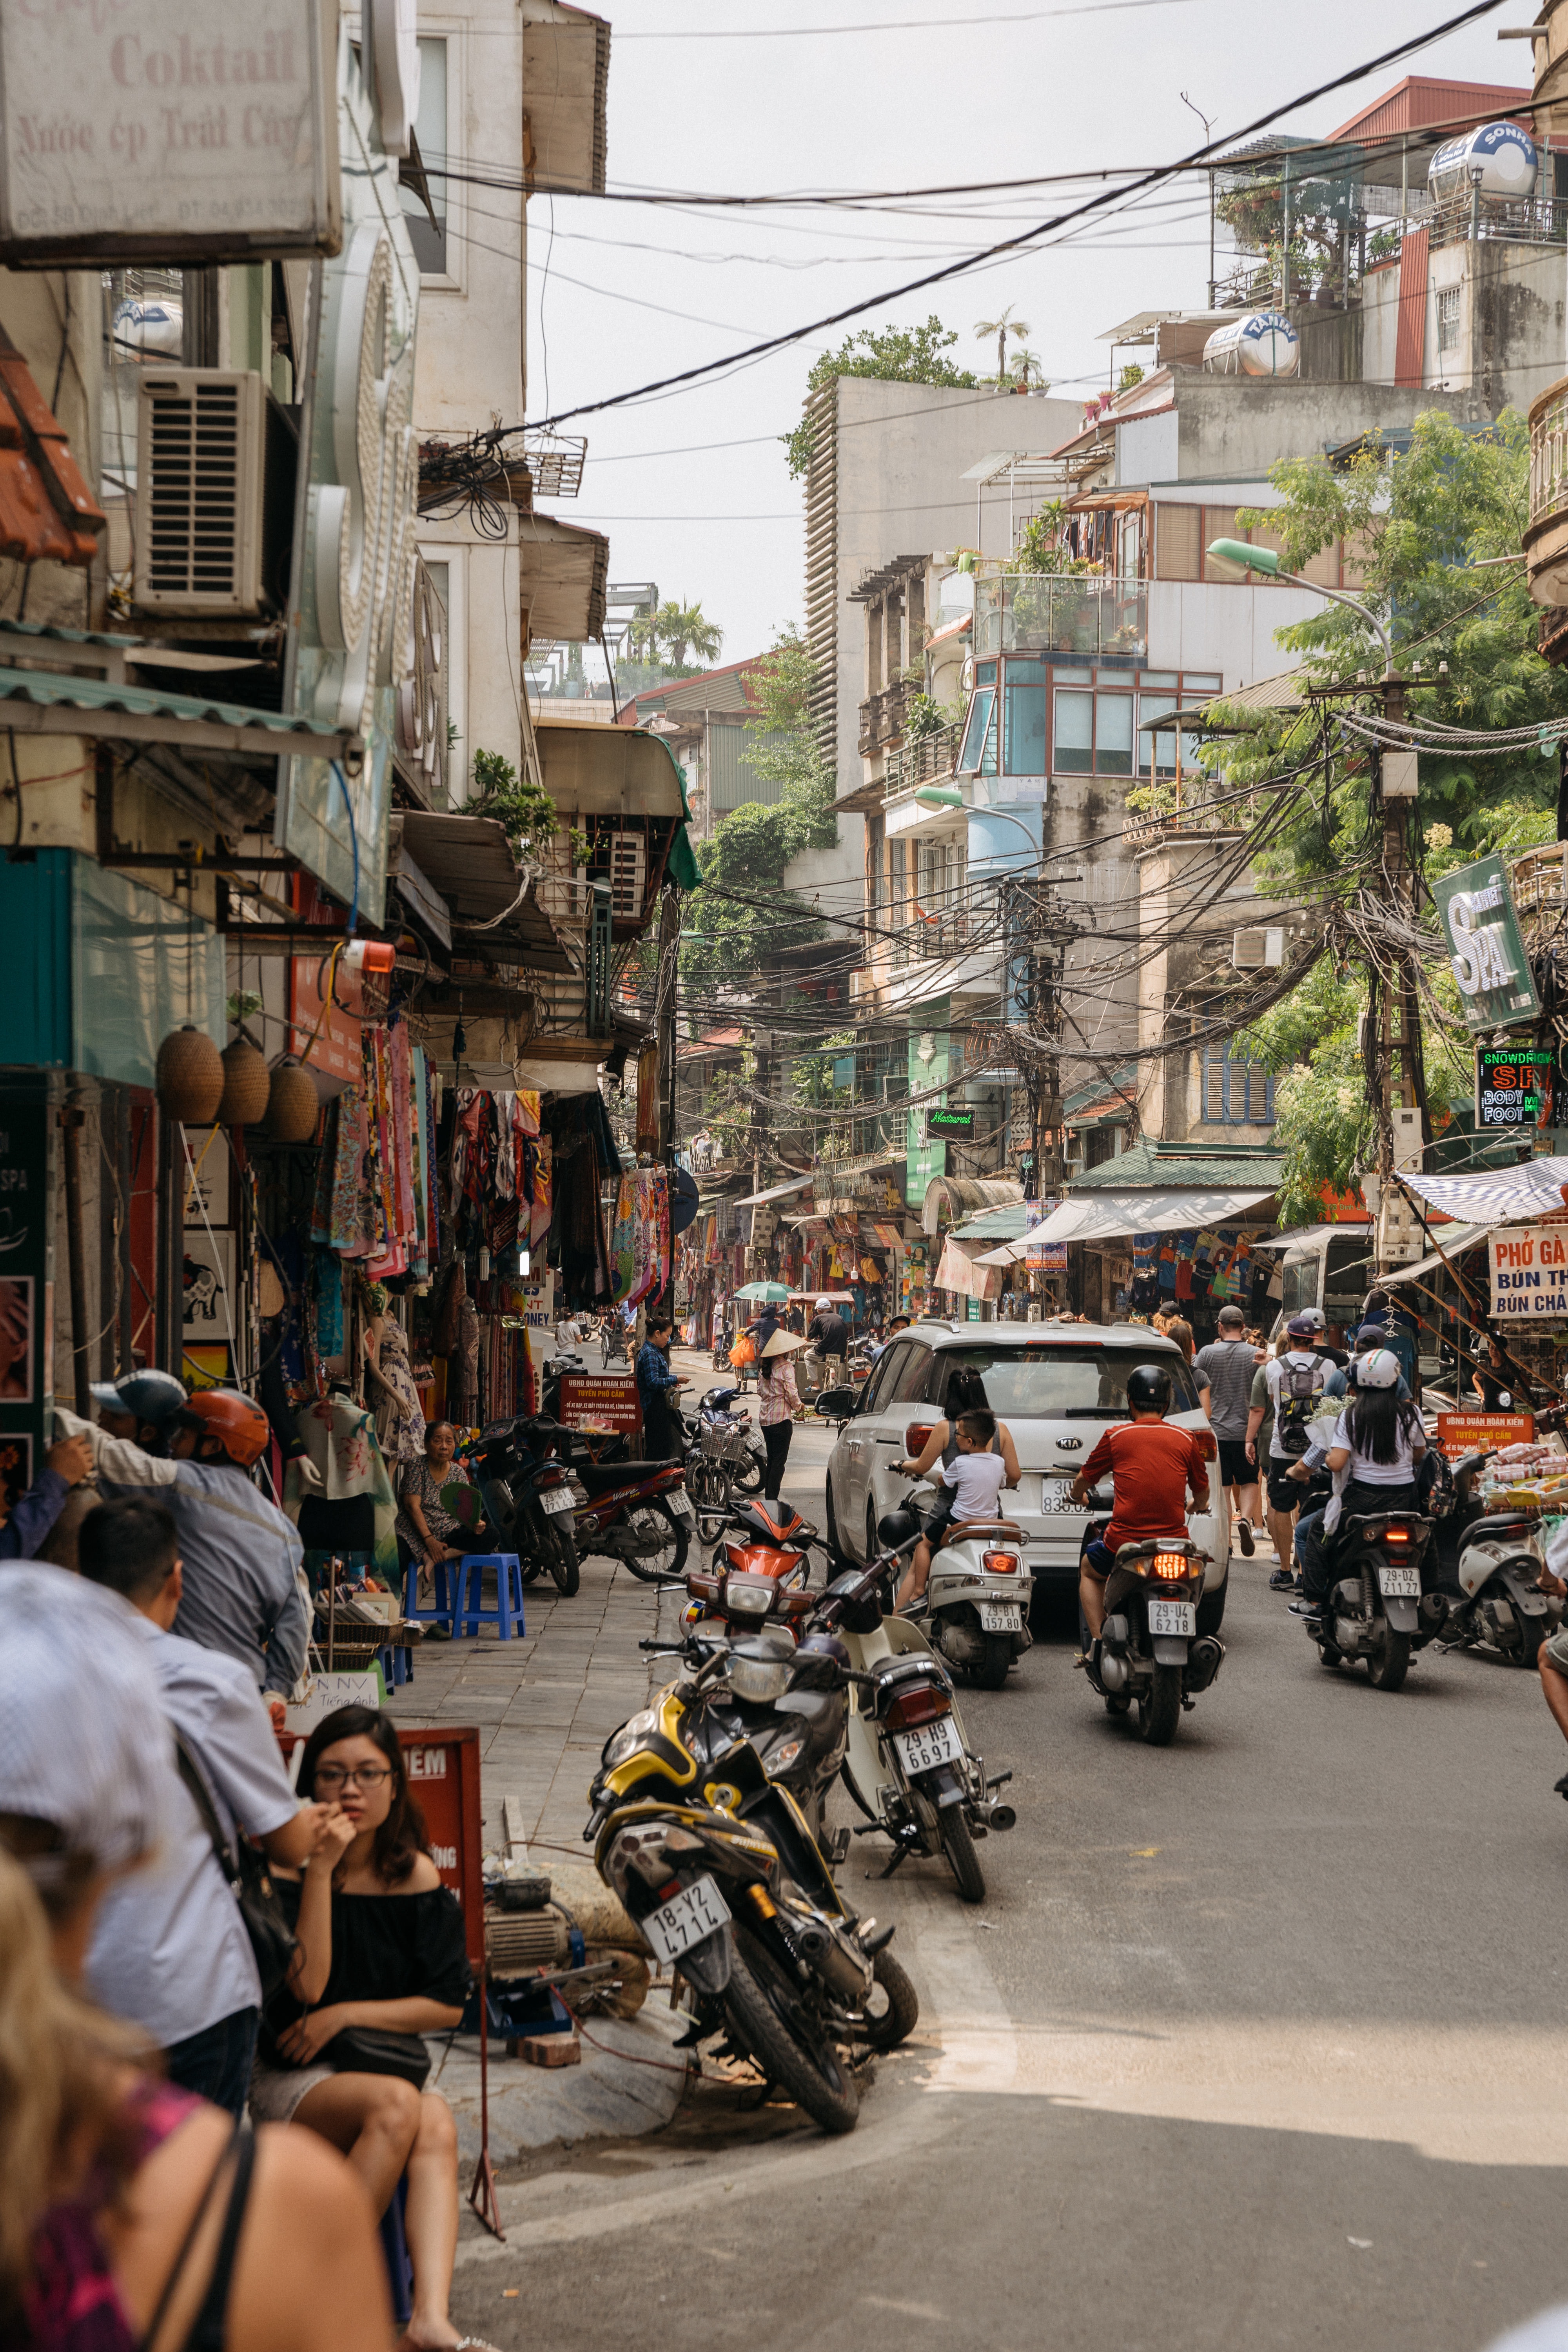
(1294, 1382)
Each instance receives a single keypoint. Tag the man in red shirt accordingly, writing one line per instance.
(1152, 1469)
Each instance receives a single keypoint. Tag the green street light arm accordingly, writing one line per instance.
(1264, 559)
(946, 796)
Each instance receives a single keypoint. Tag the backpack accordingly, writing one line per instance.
(1299, 1388)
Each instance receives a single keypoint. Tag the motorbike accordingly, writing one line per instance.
(727, 1455)
(1150, 1647)
(717, 1864)
(975, 1608)
(521, 1492)
(758, 1574)
(635, 1512)
(1376, 1611)
(1490, 1564)
(909, 1767)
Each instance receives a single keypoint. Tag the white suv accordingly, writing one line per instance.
(1057, 1386)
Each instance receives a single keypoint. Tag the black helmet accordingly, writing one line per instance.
(898, 1527)
(1147, 1389)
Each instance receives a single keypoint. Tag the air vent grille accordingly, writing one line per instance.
(198, 509)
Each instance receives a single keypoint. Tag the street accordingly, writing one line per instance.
(1251, 2042)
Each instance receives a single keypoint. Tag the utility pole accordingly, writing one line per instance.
(1044, 930)
(664, 1031)
(1393, 1008)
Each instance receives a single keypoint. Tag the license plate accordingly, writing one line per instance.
(932, 1744)
(1398, 1583)
(1055, 1494)
(697, 1912)
(999, 1616)
(1172, 1617)
(558, 1499)
(681, 1501)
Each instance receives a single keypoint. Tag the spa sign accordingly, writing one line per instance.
(151, 130)
(1486, 947)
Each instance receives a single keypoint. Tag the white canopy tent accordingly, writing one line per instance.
(1110, 1216)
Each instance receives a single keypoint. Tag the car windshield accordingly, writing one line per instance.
(1077, 1381)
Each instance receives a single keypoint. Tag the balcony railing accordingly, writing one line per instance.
(1546, 535)
(923, 758)
(1017, 612)
(882, 716)
(1506, 220)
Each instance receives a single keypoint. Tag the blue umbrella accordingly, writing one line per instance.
(771, 1294)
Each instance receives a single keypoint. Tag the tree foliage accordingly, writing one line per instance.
(896, 355)
(527, 814)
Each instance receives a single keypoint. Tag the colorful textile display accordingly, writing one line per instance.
(340, 1438)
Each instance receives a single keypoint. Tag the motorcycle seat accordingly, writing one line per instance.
(1493, 1524)
(598, 1477)
(989, 1528)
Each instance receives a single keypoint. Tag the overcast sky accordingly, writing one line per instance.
(624, 293)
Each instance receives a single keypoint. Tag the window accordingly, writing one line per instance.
(939, 873)
(1449, 319)
(978, 745)
(430, 130)
(885, 1375)
(1178, 541)
(1067, 1380)
(1113, 734)
(1236, 1094)
(1024, 730)
(909, 1387)
(1073, 751)
(876, 896)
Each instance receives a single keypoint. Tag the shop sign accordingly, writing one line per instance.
(1469, 1432)
(1486, 946)
(1513, 1085)
(941, 1122)
(443, 1767)
(164, 132)
(351, 639)
(535, 1299)
(1529, 1267)
(1044, 1257)
(605, 1403)
(28, 1125)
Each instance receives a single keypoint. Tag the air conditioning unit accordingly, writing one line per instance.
(628, 876)
(215, 462)
(1260, 950)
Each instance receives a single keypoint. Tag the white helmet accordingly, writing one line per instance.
(825, 1305)
(1379, 1370)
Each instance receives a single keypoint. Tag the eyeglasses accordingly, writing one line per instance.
(331, 1776)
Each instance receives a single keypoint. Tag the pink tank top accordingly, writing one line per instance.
(73, 2303)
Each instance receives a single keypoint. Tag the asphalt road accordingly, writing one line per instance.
(1253, 2042)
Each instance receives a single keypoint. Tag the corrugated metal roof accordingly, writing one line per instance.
(92, 694)
(1004, 1224)
(1168, 1164)
(468, 859)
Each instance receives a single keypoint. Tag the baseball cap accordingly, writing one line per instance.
(84, 1742)
(147, 1395)
(1371, 1335)
(1315, 1316)
(1299, 1326)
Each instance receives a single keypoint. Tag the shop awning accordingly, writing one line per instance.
(468, 860)
(1454, 1238)
(565, 570)
(964, 1272)
(1498, 1196)
(1300, 1233)
(625, 772)
(37, 702)
(961, 1196)
(774, 1193)
(1109, 1217)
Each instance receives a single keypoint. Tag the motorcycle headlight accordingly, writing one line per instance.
(760, 1669)
(748, 1596)
(628, 1739)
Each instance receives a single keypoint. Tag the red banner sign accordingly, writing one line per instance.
(603, 1403)
(1468, 1432)
(443, 1767)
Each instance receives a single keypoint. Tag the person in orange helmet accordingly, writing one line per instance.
(245, 1591)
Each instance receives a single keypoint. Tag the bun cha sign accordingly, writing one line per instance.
(1486, 947)
(166, 130)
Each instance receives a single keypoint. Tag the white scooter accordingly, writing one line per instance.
(975, 1608)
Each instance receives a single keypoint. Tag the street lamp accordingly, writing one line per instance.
(948, 796)
(1263, 558)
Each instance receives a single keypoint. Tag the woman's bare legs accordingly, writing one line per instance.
(430, 2225)
(375, 2119)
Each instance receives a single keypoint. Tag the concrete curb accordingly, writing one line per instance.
(630, 2081)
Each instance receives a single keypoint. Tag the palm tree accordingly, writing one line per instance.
(1002, 328)
(1026, 369)
(677, 627)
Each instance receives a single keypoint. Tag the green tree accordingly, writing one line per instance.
(677, 627)
(1002, 328)
(896, 355)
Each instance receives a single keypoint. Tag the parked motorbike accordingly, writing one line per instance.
(637, 1512)
(1150, 1647)
(727, 1455)
(1376, 1611)
(910, 1768)
(718, 1865)
(976, 1607)
(758, 1575)
(1489, 1563)
(521, 1492)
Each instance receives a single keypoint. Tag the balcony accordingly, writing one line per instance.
(1017, 612)
(1506, 220)
(1546, 534)
(923, 759)
(882, 717)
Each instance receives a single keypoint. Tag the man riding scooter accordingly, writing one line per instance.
(1154, 1467)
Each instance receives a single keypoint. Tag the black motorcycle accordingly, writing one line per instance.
(1488, 1565)
(1377, 1612)
(525, 1496)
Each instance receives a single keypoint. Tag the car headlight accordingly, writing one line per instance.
(628, 1739)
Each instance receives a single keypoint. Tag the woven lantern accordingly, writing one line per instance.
(247, 1083)
(292, 1105)
(190, 1076)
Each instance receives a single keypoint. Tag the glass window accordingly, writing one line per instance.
(1025, 742)
(884, 1376)
(1113, 734)
(1157, 746)
(975, 733)
(985, 675)
(1073, 752)
(429, 241)
(1073, 677)
(1027, 673)
(912, 1381)
(1068, 1380)
(1158, 677)
(1199, 682)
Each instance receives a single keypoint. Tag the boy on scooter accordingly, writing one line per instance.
(975, 1475)
(1152, 1467)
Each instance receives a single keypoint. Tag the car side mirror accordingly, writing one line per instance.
(835, 1405)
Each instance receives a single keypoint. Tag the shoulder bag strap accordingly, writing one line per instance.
(191, 1773)
(149, 2334)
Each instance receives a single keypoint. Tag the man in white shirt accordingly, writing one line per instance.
(169, 1950)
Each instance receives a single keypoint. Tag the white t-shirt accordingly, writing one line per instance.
(976, 1480)
(1397, 1472)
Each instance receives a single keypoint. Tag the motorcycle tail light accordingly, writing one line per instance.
(1000, 1563)
(554, 1478)
(921, 1705)
(1169, 1563)
(916, 1437)
(1396, 1535)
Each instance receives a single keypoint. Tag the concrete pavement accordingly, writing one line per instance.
(1253, 2042)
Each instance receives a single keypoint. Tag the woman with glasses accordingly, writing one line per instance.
(381, 1946)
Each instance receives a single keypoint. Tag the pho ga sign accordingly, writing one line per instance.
(1486, 948)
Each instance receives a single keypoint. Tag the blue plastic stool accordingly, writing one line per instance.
(468, 1615)
(393, 1658)
(443, 1608)
(394, 2253)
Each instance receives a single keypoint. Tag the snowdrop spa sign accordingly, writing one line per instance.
(1486, 948)
(164, 131)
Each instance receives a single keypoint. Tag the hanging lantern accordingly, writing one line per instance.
(246, 1083)
(190, 1076)
(292, 1106)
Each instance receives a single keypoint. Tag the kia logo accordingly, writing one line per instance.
(1069, 1445)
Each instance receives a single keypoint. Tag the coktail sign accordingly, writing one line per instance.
(1486, 947)
(1514, 1086)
